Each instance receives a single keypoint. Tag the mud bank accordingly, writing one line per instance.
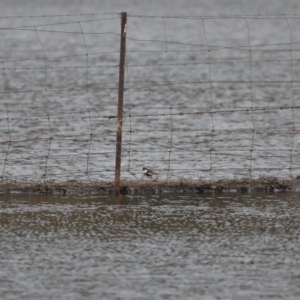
(246, 185)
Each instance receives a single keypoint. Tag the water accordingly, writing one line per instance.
(150, 247)
(59, 77)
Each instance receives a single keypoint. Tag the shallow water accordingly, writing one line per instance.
(59, 75)
(150, 247)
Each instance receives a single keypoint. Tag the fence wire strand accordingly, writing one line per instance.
(292, 95)
(211, 103)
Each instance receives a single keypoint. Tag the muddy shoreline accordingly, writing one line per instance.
(135, 187)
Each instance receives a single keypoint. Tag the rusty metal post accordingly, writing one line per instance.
(120, 103)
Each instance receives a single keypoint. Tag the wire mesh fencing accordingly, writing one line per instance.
(213, 97)
(59, 88)
(206, 97)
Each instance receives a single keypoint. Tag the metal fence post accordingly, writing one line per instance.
(120, 103)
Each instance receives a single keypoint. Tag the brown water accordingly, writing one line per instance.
(150, 247)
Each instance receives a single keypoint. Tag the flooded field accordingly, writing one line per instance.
(184, 246)
(211, 92)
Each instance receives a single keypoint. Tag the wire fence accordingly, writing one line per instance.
(205, 97)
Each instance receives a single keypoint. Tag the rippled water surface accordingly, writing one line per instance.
(205, 97)
(150, 247)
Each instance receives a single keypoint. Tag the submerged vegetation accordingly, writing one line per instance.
(263, 184)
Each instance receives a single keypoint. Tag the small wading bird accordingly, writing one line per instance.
(150, 173)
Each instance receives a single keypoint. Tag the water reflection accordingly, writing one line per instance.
(150, 247)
